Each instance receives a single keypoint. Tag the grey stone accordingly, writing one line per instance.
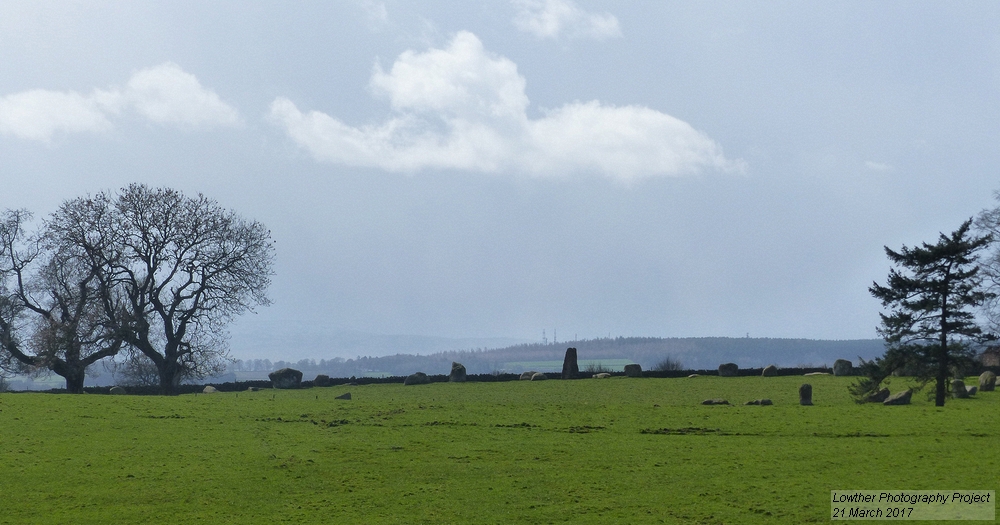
(602, 375)
(418, 378)
(322, 380)
(633, 370)
(728, 369)
(972, 390)
(538, 376)
(715, 402)
(570, 367)
(695, 375)
(209, 390)
(806, 394)
(878, 397)
(526, 376)
(117, 390)
(987, 381)
(252, 389)
(818, 374)
(842, 367)
(285, 378)
(769, 371)
(958, 389)
(762, 402)
(899, 398)
(346, 396)
(458, 374)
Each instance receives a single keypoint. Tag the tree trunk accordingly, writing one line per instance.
(942, 378)
(74, 381)
(170, 378)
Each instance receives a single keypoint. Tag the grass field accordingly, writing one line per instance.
(602, 451)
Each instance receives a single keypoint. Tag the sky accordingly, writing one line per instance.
(499, 168)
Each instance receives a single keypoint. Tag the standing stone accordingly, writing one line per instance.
(878, 397)
(972, 390)
(418, 378)
(570, 368)
(987, 381)
(899, 398)
(769, 371)
(209, 390)
(538, 376)
(457, 373)
(322, 380)
(346, 395)
(958, 389)
(526, 376)
(602, 375)
(633, 370)
(806, 394)
(285, 378)
(842, 367)
(728, 369)
(117, 390)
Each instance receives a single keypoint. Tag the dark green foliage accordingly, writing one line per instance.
(931, 327)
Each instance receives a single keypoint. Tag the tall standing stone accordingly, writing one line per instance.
(842, 367)
(806, 394)
(958, 389)
(987, 381)
(570, 367)
(728, 369)
(457, 373)
(769, 371)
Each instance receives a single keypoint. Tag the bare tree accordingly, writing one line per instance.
(174, 271)
(50, 294)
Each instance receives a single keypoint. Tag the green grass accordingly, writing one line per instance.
(522, 452)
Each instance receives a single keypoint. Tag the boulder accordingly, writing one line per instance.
(458, 374)
(987, 381)
(899, 398)
(539, 377)
(715, 402)
(728, 369)
(769, 371)
(958, 389)
(285, 378)
(526, 376)
(806, 394)
(602, 375)
(972, 390)
(818, 374)
(117, 390)
(209, 389)
(762, 402)
(252, 389)
(878, 397)
(570, 367)
(694, 375)
(322, 380)
(842, 367)
(418, 378)
(346, 396)
(633, 370)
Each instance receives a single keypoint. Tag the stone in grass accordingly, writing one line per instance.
(769, 371)
(715, 402)
(958, 389)
(252, 389)
(322, 380)
(972, 390)
(346, 396)
(526, 376)
(728, 369)
(418, 378)
(458, 374)
(818, 374)
(209, 389)
(285, 378)
(695, 375)
(878, 397)
(762, 402)
(602, 375)
(987, 381)
(570, 368)
(633, 370)
(899, 398)
(806, 394)
(117, 390)
(539, 377)
(842, 367)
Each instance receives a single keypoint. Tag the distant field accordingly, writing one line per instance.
(586, 451)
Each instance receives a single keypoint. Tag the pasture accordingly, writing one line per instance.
(585, 451)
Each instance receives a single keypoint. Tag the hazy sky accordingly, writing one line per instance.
(493, 169)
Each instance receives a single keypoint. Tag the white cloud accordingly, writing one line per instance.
(164, 94)
(555, 18)
(465, 108)
(878, 166)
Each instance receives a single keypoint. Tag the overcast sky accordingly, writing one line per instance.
(493, 169)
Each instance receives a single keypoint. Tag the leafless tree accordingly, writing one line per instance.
(173, 270)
